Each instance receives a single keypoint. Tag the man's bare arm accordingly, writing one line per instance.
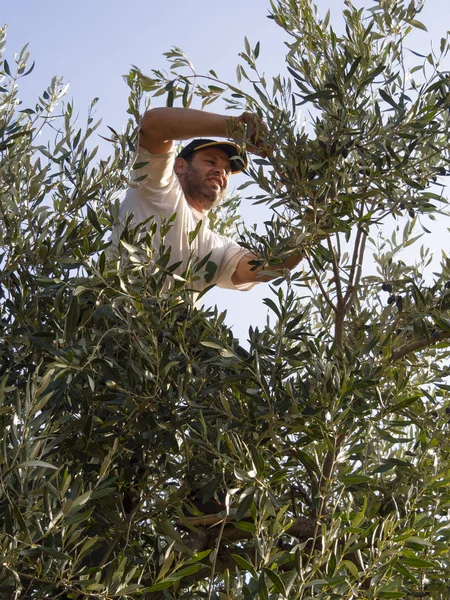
(160, 126)
(246, 272)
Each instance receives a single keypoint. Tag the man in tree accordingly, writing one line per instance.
(192, 183)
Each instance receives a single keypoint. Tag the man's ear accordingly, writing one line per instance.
(180, 166)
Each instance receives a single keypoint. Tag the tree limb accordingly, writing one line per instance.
(417, 345)
(204, 539)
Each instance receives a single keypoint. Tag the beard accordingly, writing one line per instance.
(197, 186)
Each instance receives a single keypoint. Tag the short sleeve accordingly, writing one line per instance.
(233, 254)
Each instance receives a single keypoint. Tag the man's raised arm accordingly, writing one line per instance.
(160, 126)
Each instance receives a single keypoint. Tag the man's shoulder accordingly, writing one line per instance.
(152, 172)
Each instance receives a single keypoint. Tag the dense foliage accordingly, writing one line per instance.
(126, 411)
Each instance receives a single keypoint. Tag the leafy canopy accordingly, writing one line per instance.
(125, 410)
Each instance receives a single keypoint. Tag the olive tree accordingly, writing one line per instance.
(145, 452)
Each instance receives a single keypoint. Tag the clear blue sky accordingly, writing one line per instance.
(93, 43)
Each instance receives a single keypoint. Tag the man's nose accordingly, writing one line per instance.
(223, 171)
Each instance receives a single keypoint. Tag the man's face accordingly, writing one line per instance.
(205, 178)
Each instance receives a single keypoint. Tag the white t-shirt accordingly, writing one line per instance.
(160, 195)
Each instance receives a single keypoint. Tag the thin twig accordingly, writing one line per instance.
(320, 284)
(335, 264)
(327, 472)
(214, 563)
(357, 278)
(354, 264)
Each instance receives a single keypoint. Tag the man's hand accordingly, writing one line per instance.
(247, 273)
(253, 131)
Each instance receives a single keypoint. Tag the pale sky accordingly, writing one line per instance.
(93, 43)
